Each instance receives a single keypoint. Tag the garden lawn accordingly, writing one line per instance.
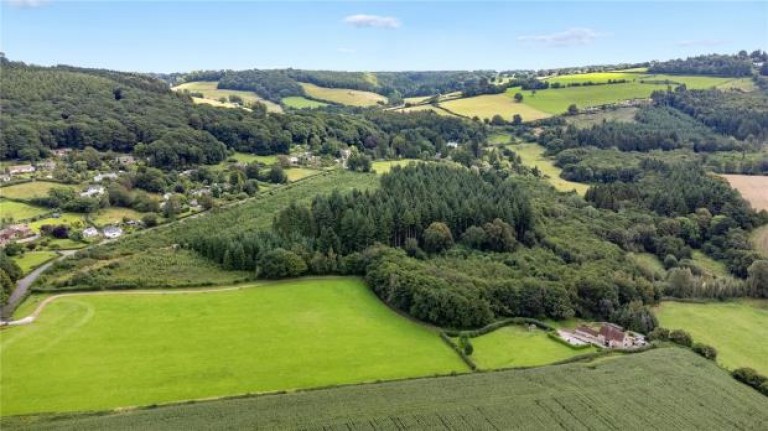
(738, 330)
(29, 190)
(32, 259)
(516, 346)
(19, 211)
(109, 350)
(533, 155)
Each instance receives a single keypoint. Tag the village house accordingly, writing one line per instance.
(107, 175)
(90, 232)
(93, 191)
(21, 169)
(608, 336)
(14, 232)
(112, 232)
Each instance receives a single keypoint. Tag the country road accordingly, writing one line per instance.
(22, 285)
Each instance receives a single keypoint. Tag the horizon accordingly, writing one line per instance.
(371, 36)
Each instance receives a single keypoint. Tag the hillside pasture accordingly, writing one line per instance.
(29, 190)
(73, 220)
(533, 155)
(752, 188)
(298, 102)
(295, 174)
(760, 240)
(384, 166)
(556, 100)
(33, 259)
(115, 215)
(211, 95)
(18, 211)
(422, 108)
(594, 77)
(343, 96)
(737, 329)
(516, 346)
(486, 106)
(104, 351)
(664, 389)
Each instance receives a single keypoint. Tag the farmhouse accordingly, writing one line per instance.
(13, 232)
(93, 191)
(90, 232)
(608, 336)
(112, 232)
(21, 169)
(452, 144)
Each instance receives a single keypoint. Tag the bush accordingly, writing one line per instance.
(281, 263)
(752, 378)
(706, 351)
(681, 337)
(661, 334)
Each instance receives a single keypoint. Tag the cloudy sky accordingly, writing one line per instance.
(165, 36)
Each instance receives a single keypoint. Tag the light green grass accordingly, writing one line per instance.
(423, 108)
(738, 330)
(760, 240)
(66, 244)
(295, 174)
(596, 77)
(690, 81)
(211, 95)
(19, 211)
(557, 100)
(533, 155)
(105, 351)
(343, 96)
(516, 346)
(622, 115)
(299, 102)
(708, 264)
(115, 215)
(649, 262)
(70, 219)
(32, 259)
(499, 138)
(486, 106)
(33, 189)
(384, 166)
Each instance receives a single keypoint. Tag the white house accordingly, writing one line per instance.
(93, 191)
(112, 232)
(90, 232)
(21, 169)
(452, 144)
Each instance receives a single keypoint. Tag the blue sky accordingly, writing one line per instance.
(164, 36)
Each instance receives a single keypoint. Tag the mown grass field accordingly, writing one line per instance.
(533, 155)
(343, 96)
(515, 346)
(295, 174)
(115, 215)
(384, 166)
(752, 188)
(486, 106)
(107, 351)
(212, 95)
(32, 259)
(738, 330)
(664, 389)
(19, 211)
(74, 220)
(299, 102)
(556, 100)
(33, 189)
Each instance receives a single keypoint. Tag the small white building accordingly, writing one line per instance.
(107, 175)
(452, 144)
(21, 169)
(93, 191)
(112, 232)
(90, 232)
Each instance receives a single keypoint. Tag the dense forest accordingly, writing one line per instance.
(713, 64)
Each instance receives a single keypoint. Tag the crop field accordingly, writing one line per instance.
(32, 259)
(70, 219)
(384, 166)
(737, 330)
(212, 94)
(752, 188)
(584, 121)
(516, 346)
(343, 96)
(595, 77)
(299, 102)
(33, 189)
(760, 239)
(691, 81)
(295, 174)
(486, 106)
(115, 215)
(664, 389)
(109, 350)
(19, 211)
(533, 155)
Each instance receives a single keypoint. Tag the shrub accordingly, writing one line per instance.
(281, 263)
(752, 378)
(661, 334)
(681, 337)
(706, 351)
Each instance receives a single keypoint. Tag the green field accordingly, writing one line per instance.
(384, 166)
(760, 239)
(343, 96)
(19, 211)
(486, 106)
(595, 77)
(515, 346)
(107, 351)
(738, 330)
(71, 219)
(664, 389)
(115, 215)
(211, 95)
(556, 100)
(422, 108)
(712, 266)
(295, 174)
(33, 189)
(32, 259)
(533, 155)
(583, 121)
(299, 102)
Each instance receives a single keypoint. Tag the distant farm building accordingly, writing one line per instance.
(607, 336)
(112, 232)
(21, 169)
(14, 232)
(93, 191)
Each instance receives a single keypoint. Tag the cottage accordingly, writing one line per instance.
(14, 232)
(613, 336)
(107, 175)
(608, 336)
(90, 232)
(452, 144)
(93, 191)
(112, 232)
(21, 169)
(125, 160)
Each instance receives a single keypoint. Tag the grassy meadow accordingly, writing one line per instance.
(110, 350)
(556, 100)
(211, 95)
(19, 211)
(384, 166)
(421, 108)
(663, 389)
(712, 266)
(343, 96)
(32, 259)
(486, 106)
(533, 155)
(70, 219)
(515, 346)
(738, 329)
(29, 190)
(299, 102)
(295, 174)
(115, 215)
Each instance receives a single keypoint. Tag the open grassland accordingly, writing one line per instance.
(19, 211)
(106, 351)
(115, 215)
(595, 77)
(32, 259)
(211, 95)
(33, 189)
(752, 188)
(556, 100)
(742, 84)
(664, 389)
(74, 220)
(299, 102)
(533, 155)
(691, 81)
(250, 158)
(295, 174)
(384, 166)
(738, 330)
(343, 96)
(486, 106)
(760, 239)
(622, 115)
(516, 346)
(421, 108)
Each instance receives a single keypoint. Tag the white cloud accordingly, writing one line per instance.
(569, 37)
(362, 20)
(701, 42)
(346, 50)
(26, 3)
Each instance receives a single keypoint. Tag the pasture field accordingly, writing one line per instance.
(299, 102)
(752, 188)
(115, 215)
(486, 106)
(250, 158)
(33, 189)
(760, 239)
(663, 389)
(32, 259)
(295, 174)
(595, 77)
(499, 139)
(712, 266)
(109, 350)
(343, 96)
(19, 211)
(420, 108)
(533, 155)
(384, 166)
(212, 94)
(693, 82)
(585, 121)
(70, 219)
(556, 100)
(66, 244)
(515, 346)
(738, 329)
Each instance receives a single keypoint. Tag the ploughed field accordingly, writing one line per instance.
(662, 389)
(111, 350)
